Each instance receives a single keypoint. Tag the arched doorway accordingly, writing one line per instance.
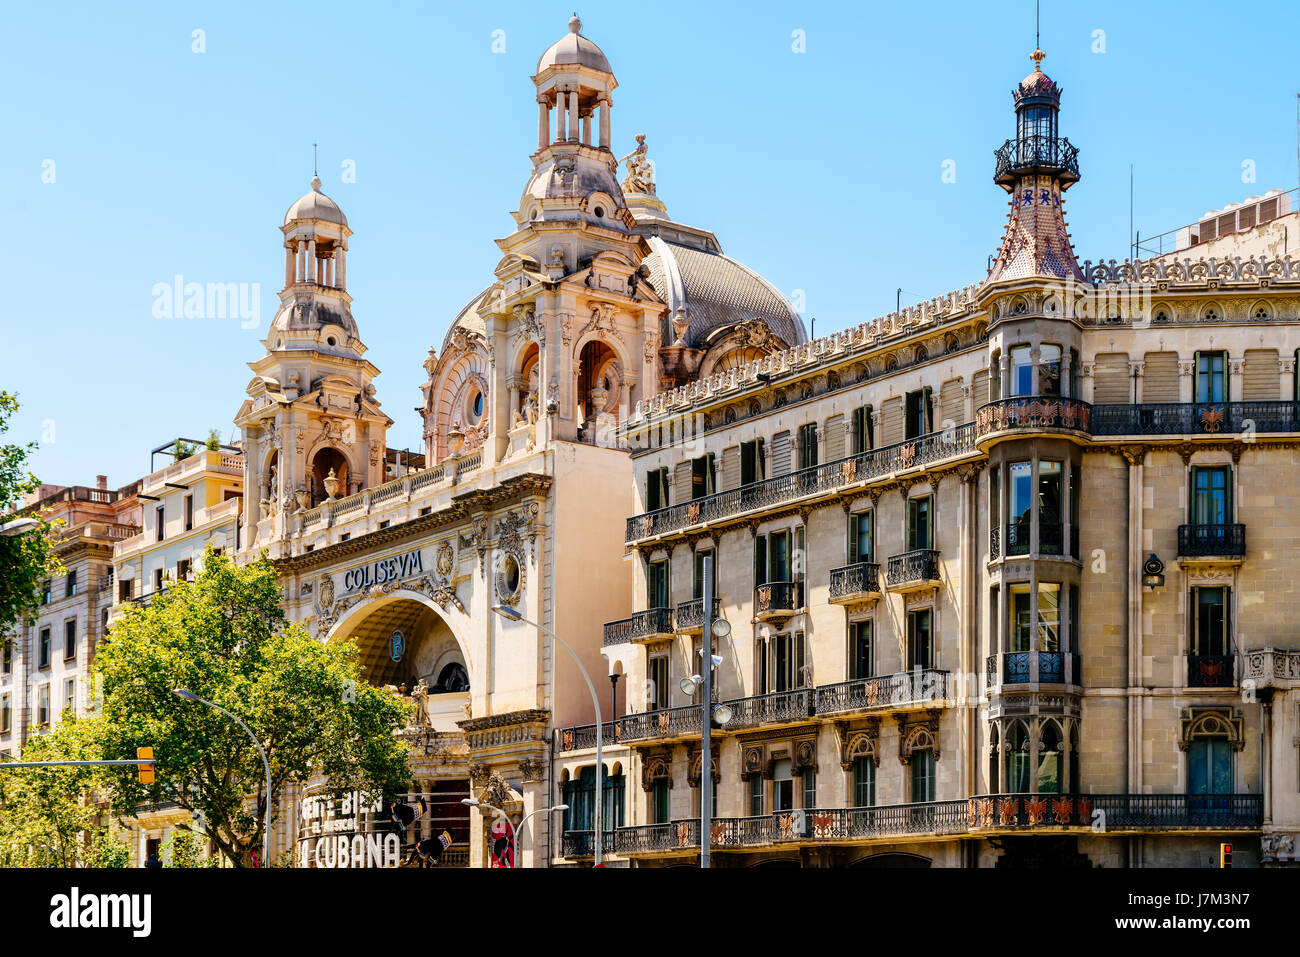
(324, 462)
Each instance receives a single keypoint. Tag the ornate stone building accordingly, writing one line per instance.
(1008, 571)
(599, 301)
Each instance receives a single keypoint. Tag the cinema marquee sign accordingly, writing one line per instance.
(333, 835)
(384, 570)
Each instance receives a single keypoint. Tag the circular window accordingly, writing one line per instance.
(509, 579)
(600, 212)
(478, 404)
(511, 574)
(330, 340)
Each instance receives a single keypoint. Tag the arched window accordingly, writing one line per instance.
(1018, 769)
(994, 760)
(452, 678)
(1049, 759)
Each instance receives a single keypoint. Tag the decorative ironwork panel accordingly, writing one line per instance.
(1204, 540)
(644, 624)
(779, 708)
(690, 614)
(1210, 671)
(919, 565)
(860, 579)
(920, 687)
(778, 596)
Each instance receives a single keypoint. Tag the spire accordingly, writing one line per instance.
(1036, 168)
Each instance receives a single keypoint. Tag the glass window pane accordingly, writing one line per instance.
(1049, 617)
(1022, 372)
(1020, 617)
(864, 782)
(1049, 370)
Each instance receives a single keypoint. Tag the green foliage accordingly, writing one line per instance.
(25, 560)
(214, 441)
(182, 450)
(225, 637)
(108, 851)
(185, 850)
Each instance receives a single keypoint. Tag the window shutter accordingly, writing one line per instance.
(835, 438)
(1110, 379)
(1259, 380)
(927, 411)
(762, 459)
(781, 454)
(891, 420)
(980, 387)
(952, 406)
(682, 483)
(760, 560)
(731, 467)
(1160, 378)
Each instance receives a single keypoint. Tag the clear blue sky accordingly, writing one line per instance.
(822, 170)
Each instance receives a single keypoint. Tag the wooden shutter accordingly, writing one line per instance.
(980, 387)
(731, 467)
(781, 453)
(892, 420)
(682, 483)
(1110, 379)
(1160, 377)
(1259, 376)
(834, 438)
(952, 406)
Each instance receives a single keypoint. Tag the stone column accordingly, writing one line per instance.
(343, 267)
(586, 129)
(1004, 376)
(605, 104)
(288, 264)
(543, 123)
(311, 260)
(329, 270)
(1066, 364)
(573, 115)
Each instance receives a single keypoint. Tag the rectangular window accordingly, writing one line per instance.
(183, 569)
(43, 705)
(920, 640)
(922, 775)
(808, 445)
(1022, 372)
(69, 639)
(782, 785)
(1021, 613)
(45, 593)
(862, 437)
(45, 648)
(762, 677)
(1020, 506)
(1049, 370)
(6, 713)
(189, 513)
(657, 584)
(698, 588)
(659, 686)
(124, 588)
(920, 531)
(1211, 496)
(72, 583)
(656, 489)
(756, 795)
(860, 537)
(861, 651)
(995, 496)
(1049, 617)
(783, 661)
(753, 467)
(7, 657)
(778, 569)
(659, 802)
(703, 476)
(1049, 502)
(864, 782)
(157, 579)
(917, 416)
(1210, 382)
(1210, 636)
(70, 695)
(809, 788)
(760, 560)
(159, 516)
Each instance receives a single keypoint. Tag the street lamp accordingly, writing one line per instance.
(505, 611)
(470, 802)
(18, 526)
(266, 829)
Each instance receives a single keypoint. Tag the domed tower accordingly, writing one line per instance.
(312, 429)
(1036, 168)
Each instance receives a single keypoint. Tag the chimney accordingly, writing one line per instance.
(101, 481)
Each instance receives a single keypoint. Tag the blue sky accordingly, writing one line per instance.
(822, 169)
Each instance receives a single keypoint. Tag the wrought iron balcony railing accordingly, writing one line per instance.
(781, 707)
(658, 838)
(919, 566)
(580, 844)
(1195, 418)
(643, 626)
(1198, 541)
(1054, 667)
(820, 479)
(1053, 154)
(1211, 671)
(778, 598)
(581, 738)
(1033, 414)
(663, 723)
(1018, 538)
(995, 542)
(690, 614)
(855, 581)
(928, 688)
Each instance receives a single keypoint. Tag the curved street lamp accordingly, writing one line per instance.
(266, 829)
(515, 832)
(505, 611)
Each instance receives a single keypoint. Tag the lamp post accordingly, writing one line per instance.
(505, 611)
(470, 802)
(266, 828)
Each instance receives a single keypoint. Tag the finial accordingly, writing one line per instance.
(575, 25)
(1037, 56)
(315, 183)
(315, 170)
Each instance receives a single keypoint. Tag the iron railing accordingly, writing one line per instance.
(583, 737)
(1039, 412)
(1051, 668)
(690, 614)
(642, 625)
(1210, 671)
(1201, 540)
(1018, 538)
(1195, 418)
(820, 479)
(578, 844)
(1026, 153)
(778, 596)
(1180, 811)
(663, 723)
(860, 579)
(780, 707)
(649, 838)
(995, 542)
(928, 686)
(918, 565)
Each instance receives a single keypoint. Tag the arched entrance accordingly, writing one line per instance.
(599, 389)
(324, 462)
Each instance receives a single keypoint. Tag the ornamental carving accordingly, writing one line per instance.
(445, 560)
(532, 770)
(527, 325)
(860, 743)
(513, 527)
(915, 733)
(479, 774)
(656, 768)
(325, 595)
(1212, 722)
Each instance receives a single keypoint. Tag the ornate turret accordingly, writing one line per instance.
(1036, 168)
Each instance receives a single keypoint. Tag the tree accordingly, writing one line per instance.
(226, 638)
(26, 560)
(213, 443)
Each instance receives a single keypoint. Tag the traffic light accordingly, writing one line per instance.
(145, 771)
(1225, 855)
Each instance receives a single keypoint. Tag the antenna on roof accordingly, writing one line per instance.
(1037, 44)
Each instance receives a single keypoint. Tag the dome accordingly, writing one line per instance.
(1037, 84)
(716, 291)
(574, 49)
(297, 319)
(316, 205)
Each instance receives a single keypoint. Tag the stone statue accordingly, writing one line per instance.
(421, 695)
(640, 170)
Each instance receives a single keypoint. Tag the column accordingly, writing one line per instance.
(311, 260)
(543, 123)
(605, 104)
(586, 129)
(573, 115)
(343, 267)
(288, 264)
(1065, 375)
(561, 118)
(300, 261)
(1004, 376)
(329, 270)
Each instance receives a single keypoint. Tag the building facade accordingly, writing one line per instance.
(1006, 571)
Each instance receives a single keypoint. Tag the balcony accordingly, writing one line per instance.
(854, 583)
(584, 737)
(666, 724)
(690, 616)
(1036, 154)
(1018, 539)
(578, 845)
(1032, 414)
(1210, 671)
(1195, 418)
(820, 480)
(658, 838)
(1223, 542)
(926, 688)
(913, 571)
(777, 600)
(1054, 667)
(654, 624)
(781, 707)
